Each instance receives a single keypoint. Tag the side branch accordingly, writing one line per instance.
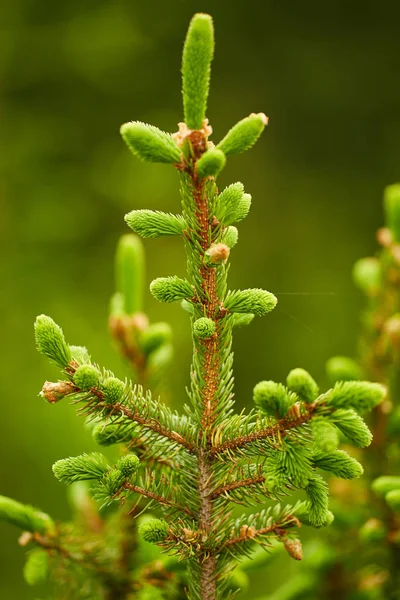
(248, 533)
(134, 415)
(157, 498)
(234, 485)
(280, 429)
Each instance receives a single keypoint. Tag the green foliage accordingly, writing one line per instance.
(80, 354)
(242, 319)
(150, 143)
(128, 464)
(367, 275)
(211, 163)
(113, 390)
(386, 483)
(373, 531)
(50, 341)
(318, 502)
(154, 223)
(190, 467)
(154, 531)
(154, 336)
(196, 68)
(301, 382)
(171, 289)
(230, 236)
(243, 135)
(80, 468)
(203, 328)
(23, 516)
(353, 427)
(359, 395)
(107, 435)
(393, 500)
(129, 269)
(342, 368)
(86, 377)
(36, 567)
(233, 204)
(325, 434)
(256, 301)
(392, 209)
(339, 463)
(274, 399)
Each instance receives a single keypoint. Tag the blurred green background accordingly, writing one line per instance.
(327, 74)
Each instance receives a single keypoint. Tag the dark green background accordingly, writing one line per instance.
(326, 73)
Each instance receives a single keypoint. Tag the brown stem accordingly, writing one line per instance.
(136, 417)
(234, 485)
(157, 497)
(208, 393)
(280, 429)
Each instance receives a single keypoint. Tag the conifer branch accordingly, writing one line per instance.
(157, 497)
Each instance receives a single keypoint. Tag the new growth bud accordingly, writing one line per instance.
(392, 498)
(256, 301)
(113, 390)
(25, 517)
(171, 289)
(107, 435)
(153, 531)
(129, 269)
(301, 382)
(367, 275)
(196, 65)
(272, 398)
(211, 163)
(86, 377)
(230, 236)
(153, 223)
(203, 328)
(360, 395)
(128, 464)
(154, 336)
(233, 204)
(150, 143)
(392, 209)
(342, 368)
(80, 468)
(50, 341)
(36, 566)
(244, 134)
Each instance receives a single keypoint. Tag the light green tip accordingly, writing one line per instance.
(392, 209)
(150, 143)
(301, 382)
(129, 270)
(50, 341)
(153, 531)
(196, 68)
(211, 163)
(244, 134)
(367, 275)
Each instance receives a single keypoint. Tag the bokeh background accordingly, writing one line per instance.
(328, 76)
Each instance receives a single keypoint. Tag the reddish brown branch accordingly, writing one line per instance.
(160, 499)
(234, 485)
(281, 429)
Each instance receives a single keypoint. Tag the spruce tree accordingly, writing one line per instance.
(192, 467)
